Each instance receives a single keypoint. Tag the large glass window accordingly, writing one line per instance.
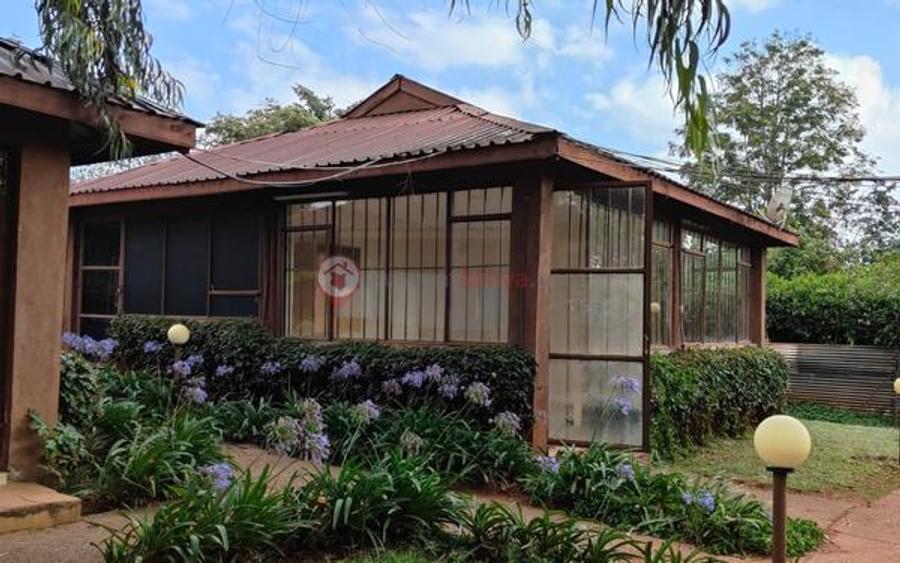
(200, 265)
(403, 247)
(661, 284)
(100, 275)
(715, 286)
(597, 315)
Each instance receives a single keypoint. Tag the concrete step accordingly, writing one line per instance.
(29, 506)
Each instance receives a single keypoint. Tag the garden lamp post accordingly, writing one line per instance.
(784, 444)
(178, 336)
(897, 391)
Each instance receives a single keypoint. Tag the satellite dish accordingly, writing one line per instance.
(777, 209)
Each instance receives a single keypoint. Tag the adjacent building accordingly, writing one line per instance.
(45, 129)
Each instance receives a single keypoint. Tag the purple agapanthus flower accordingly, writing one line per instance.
(507, 423)
(478, 394)
(194, 360)
(547, 463)
(623, 405)
(224, 371)
(434, 373)
(348, 370)
(311, 363)
(411, 442)
(368, 410)
(182, 368)
(414, 378)
(687, 498)
(196, 393)
(707, 500)
(152, 347)
(221, 475)
(72, 340)
(449, 389)
(626, 384)
(391, 387)
(625, 471)
(270, 367)
(105, 348)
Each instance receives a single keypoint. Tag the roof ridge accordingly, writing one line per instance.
(502, 120)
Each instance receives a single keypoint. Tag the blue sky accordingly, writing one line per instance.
(231, 54)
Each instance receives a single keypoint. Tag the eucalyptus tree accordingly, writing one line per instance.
(105, 49)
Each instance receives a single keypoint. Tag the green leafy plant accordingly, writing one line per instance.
(614, 488)
(245, 521)
(245, 347)
(397, 500)
(244, 420)
(828, 413)
(699, 394)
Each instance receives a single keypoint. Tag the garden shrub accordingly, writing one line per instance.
(611, 487)
(699, 394)
(856, 306)
(252, 364)
(223, 522)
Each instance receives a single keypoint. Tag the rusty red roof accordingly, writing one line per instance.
(335, 144)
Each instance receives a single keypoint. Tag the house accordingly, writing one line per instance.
(462, 226)
(46, 129)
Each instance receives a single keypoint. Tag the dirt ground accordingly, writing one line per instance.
(857, 531)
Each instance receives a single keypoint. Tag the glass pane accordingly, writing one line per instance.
(359, 235)
(418, 267)
(597, 314)
(661, 295)
(94, 327)
(99, 292)
(599, 228)
(102, 244)
(712, 291)
(691, 240)
(234, 306)
(187, 266)
(306, 304)
(743, 303)
(479, 281)
(317, 213)
(482, 201)
(662, 231)
(596, 401)
(692, 273)
(728, 305)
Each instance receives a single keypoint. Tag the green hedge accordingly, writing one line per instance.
(858, 306)
(699, 394)
(246, 346)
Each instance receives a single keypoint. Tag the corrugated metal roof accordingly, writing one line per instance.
(28, 65)
(342, 142)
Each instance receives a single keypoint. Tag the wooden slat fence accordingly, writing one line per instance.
(854, 377)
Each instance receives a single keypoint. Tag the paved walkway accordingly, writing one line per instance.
(857, 532)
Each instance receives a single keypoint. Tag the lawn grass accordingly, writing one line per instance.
(859, 461)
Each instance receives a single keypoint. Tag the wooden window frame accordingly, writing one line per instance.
(451, 219)
(82, 268)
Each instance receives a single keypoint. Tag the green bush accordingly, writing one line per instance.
(857, 306)
(613, 488)
(398, 500)
(699, 394)
(829, 413)
(269, 367)
(242, 523)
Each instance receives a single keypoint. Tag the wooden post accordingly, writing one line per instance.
(779, 514)
(758, 295)
(677, 335)
(530, 255)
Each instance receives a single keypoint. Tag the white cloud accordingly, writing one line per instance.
(429, 40)
(202, 83)
(583, 43)
(879, 106)
(642, 108)
(753, 6)
(174, 10)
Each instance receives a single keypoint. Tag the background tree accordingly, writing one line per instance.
(103, 47)
(271, 117)
(104, 50)
(781, 111)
